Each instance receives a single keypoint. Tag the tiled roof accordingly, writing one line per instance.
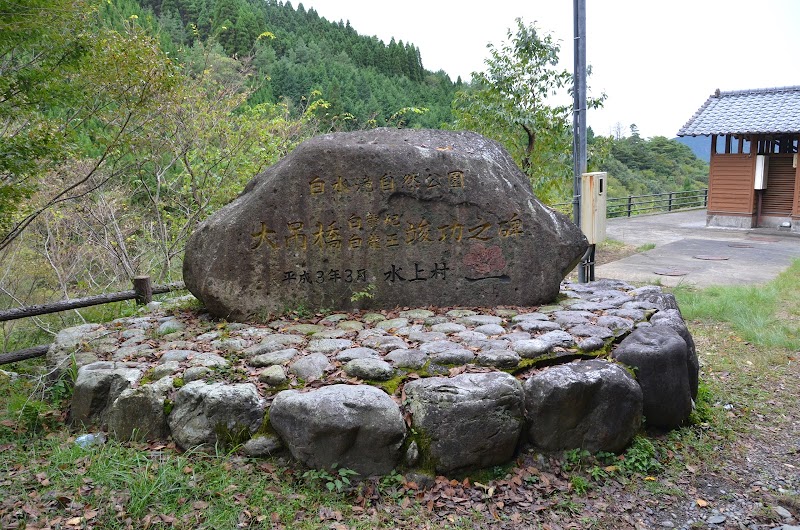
(760, 111)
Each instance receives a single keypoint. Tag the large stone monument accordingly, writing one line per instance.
(383, 218)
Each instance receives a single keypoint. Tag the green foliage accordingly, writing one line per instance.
(703, 411)
(640, 458)
(367, 293)
(579, 484)
(573, 458)
(512, 102)
(336, 480)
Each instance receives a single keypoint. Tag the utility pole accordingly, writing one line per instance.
(579, 120)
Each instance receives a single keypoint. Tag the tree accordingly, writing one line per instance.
(520, 101)
(74, 98)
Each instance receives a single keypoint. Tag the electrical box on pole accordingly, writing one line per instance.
(593, 206)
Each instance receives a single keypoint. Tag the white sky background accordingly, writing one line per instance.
(658, 61)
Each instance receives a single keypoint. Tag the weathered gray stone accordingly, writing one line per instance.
(593, 405)
(207, 416)
(312, 366)
(139, 413)
(537, 325)
(468, 421)
(615, 323)
(592, 306)
(169, 356)
(370, 369)
(453, 356)
(548, 309)
(515, 336)
(129, 352)
(170, 326)
(371, 318)
(498, 358)
(350, 325)
(262, 445)
(272, 343)
(273, 375)
(329, 345)
(408, 330)
(337, 317)
(568, 319)
(628, 313)
(480, 320)
(591, 344)
(491, 329)
(96, 387)
(459, 225)
(337, 333)
(589, 330)
(305, 329)
(358, 427)
(195, 373)
(458, 313)
(655, 296)
(209, 336)
(448, 327)
(673, 319)
(531, 348)
(407, 358)
(384, 342)
(356, 353)
(393, 323)
(209, 360)
(416, 314)
(522, 317)
(440, 346)
(72, 344)
(426, 336)
(230, 344)
(659, 357)
(164, 369)
(557, 338)
(272, 358)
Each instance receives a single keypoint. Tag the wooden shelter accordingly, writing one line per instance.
(754, 180)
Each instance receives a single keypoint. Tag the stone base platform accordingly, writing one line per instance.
(444, 390)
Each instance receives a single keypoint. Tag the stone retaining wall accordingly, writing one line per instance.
(442, 390)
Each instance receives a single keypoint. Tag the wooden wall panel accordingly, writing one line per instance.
(796, 207)
(779, 195)
(730, 184)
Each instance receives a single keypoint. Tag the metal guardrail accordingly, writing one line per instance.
(645, 204)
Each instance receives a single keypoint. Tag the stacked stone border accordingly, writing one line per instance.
(440, 390)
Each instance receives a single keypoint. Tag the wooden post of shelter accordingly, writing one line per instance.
(144, 290)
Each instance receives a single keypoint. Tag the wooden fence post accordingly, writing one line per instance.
(144, 290)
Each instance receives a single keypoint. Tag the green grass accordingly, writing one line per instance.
(646, 247)
(765, 315)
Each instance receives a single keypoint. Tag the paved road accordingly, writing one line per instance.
(688, 252)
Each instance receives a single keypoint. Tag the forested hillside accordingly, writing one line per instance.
(294, 52)
(638, 166)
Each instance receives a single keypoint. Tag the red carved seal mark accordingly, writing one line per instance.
(483, 259)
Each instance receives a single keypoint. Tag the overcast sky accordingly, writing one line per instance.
(657, 61)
